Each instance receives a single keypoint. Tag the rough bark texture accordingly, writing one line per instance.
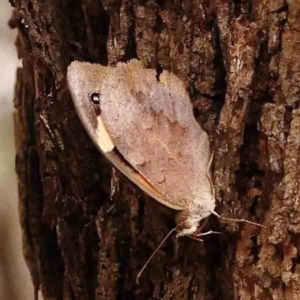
(86, 230)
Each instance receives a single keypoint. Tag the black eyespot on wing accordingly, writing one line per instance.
(95, 98)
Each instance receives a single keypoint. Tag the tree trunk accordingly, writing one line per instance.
(87, 231)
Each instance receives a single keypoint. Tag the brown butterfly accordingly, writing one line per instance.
(144, 125)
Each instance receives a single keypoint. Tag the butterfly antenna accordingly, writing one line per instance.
(236, 220)
(152, 255)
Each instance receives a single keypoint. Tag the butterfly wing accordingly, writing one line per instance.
(151, 123)
(84, 79)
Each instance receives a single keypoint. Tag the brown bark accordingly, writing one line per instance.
(85, 238)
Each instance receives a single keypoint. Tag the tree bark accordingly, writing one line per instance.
(87, 231)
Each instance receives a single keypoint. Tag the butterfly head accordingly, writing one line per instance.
(189, 219)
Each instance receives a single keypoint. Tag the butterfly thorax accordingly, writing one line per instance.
(188, 220)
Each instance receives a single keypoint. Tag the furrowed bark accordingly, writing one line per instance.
(87, 231)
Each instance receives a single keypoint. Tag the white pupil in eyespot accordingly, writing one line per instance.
(95, 98)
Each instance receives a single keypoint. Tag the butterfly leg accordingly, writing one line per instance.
(195, 236)
(208, 233)
(201, 227)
